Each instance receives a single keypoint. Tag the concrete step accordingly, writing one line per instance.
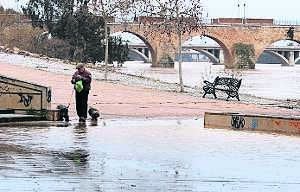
(6, 111)
(6, 118)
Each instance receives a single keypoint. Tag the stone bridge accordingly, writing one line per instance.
(163, 45)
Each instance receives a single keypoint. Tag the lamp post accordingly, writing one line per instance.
(244, 19)
(239, 12)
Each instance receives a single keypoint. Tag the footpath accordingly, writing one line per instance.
(115, 99)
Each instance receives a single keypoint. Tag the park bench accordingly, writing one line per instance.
(228, 85)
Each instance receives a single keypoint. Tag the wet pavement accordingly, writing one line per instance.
(145, 155)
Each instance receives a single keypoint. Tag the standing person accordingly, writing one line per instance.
(82, 85)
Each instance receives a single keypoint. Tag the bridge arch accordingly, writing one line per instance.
(141, 55)
(283, 60)
(145, 41)
(296, 60)
(211, 56)
(258, 52)
(228, 57)
(226, 51)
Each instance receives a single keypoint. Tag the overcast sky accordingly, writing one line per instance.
(277, 9)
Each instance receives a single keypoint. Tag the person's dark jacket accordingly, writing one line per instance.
(86, 78)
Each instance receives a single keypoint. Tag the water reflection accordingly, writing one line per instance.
(93, 123)
(80, 135)
(80, 129)
(152, 155)
(78, 156)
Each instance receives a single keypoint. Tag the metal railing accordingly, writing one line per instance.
(286, 22)
(281, 22)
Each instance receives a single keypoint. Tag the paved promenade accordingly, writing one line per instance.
(117, 100)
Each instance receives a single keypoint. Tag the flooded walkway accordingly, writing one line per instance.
(149, 140)
(138, 155)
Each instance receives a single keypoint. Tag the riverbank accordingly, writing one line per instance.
(129, 95)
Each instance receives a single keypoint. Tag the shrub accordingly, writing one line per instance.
(245, 55)
(53, 47)
(21, 36)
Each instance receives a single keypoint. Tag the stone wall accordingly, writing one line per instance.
(250, 122)
(20, 95)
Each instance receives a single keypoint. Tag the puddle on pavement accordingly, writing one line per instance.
(145, 155)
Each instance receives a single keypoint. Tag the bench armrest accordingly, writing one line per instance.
(207, 82)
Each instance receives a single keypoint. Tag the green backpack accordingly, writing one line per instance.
(79, 86)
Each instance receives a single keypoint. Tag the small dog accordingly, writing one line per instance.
(94, 113)
(63, 114)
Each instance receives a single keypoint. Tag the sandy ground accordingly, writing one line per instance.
(116, 100)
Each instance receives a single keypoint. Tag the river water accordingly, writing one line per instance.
(267, 80)
(153, 155)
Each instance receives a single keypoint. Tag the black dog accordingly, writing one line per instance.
(94, 113)
(63, 114)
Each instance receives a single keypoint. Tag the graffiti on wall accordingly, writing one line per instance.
(291, 123)
(294, 124)
(254, 123)
(277, 122)
(49, 96)
(4, 89)
(8, 89)
(237, 121)
(25, 99)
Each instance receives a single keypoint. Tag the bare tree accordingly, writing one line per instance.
(110, 10)
(174, 17)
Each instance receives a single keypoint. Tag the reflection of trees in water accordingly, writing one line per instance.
(79, 156)
(44, 160)
(56, 161)
(80, 135)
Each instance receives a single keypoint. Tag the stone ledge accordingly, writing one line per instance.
(289, 125)
(6, 111)
(6, 118)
